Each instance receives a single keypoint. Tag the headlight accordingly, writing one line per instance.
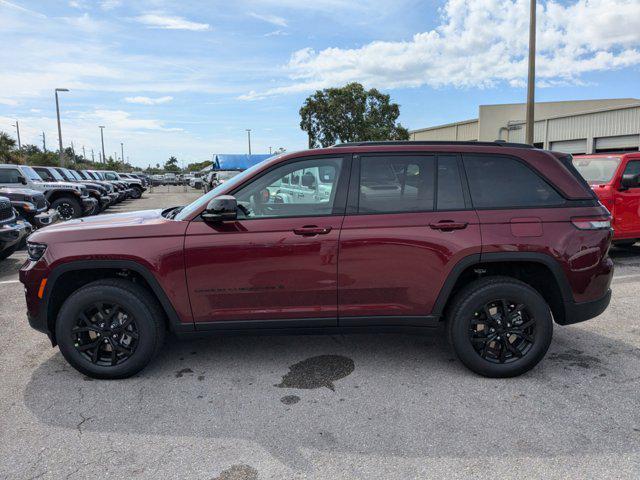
(35, 250)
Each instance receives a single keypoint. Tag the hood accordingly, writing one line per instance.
(144, 223)
(23, 192)
(67, 185)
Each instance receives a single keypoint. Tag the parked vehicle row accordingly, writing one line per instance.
(498, 240)
(40, 196)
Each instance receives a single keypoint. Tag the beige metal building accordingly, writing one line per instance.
(581, 126)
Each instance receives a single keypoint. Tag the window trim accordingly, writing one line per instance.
(565, 200)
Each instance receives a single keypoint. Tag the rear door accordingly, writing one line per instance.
(409, 221)
(627, 205)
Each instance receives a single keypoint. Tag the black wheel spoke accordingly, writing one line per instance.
(94, 354)
(495, 337)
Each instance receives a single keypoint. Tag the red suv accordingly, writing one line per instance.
(616, 180)
(496, 240)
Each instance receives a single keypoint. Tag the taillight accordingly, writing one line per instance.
(592, 223)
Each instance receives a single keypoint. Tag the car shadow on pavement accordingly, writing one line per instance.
(9, 267)
(392, 394)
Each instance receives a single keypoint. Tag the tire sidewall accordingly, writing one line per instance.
(145, 324)
(515, 292)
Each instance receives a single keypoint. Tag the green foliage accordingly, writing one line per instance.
(8, 150)
(171, 165)
(196, 167)
(350, 114)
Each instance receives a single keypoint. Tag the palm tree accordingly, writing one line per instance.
(7, 148)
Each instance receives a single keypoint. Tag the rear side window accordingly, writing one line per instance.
(450, 194)
(396, 184)
(502, 182)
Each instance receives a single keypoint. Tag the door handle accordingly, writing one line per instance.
(448, 225)
(311, 230)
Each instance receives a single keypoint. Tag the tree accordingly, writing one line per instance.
(171, 165)
(350, 114)
(196, 167)
(8, 151)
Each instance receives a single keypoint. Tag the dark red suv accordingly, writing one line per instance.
(496, 240)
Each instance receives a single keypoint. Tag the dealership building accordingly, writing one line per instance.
(582, 126)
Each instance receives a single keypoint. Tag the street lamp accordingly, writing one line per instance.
(17, 125)
(60, 128)
(101, 127)
(531, 81)
(249, 139)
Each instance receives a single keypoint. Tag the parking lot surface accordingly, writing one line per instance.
(352, 406)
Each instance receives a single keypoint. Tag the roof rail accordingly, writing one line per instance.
(497, 143)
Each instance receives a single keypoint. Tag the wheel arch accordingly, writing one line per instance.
(69, 277)
(540, 271)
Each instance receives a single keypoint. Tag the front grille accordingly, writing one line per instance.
(6, 210)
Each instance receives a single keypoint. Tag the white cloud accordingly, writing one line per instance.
(8, 101)
(273, 19)
(155, 20)
(110, 4)
(85, 23)
(148, 100)
(276, 33)
(481, 43)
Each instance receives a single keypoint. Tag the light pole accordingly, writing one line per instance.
(59, 127)
(84, 154)
(249, 139)
(44, 142)
(122, 151)
(17, 125)
(531, 82)
(269, 150)
(101, 127)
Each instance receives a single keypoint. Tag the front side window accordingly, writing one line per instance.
(497, 181)
(10, 175)
(110, 176)
(45, 175)
(632, 168)
(270, 196)
(396, 184)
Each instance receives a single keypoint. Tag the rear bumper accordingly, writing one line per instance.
(579, 312)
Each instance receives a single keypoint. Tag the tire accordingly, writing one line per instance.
(8, 252)
(467, 318)
(137, 193)
(136, 302)
(68, 206)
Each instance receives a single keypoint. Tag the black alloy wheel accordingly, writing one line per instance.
(503, 331)
(65, 210)
(105, 333)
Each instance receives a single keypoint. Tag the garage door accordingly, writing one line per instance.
(570, 146)
(626, 142)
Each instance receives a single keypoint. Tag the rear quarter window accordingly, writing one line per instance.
(497, 181)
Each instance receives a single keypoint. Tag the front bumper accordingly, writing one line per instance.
(14, 233)
(88, 204)
(45, 218)
(579, 312)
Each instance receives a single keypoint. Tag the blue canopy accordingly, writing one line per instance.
(234, 161)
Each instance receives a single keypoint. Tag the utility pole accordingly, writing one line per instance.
(44, 142)
(269, 150)
(249, 139)
(93, 158)
(101, 127)
(17, 125)
(73, 151)
(122, 151)
(59, 127)
(84, 154)
(531, 82)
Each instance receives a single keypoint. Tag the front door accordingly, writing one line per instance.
(401, 237)
(627, 206)
(276, 265)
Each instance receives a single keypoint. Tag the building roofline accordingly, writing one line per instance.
(561, 101)
(578, 114)
(436, 127)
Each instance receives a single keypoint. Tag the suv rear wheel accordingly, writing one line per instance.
(110, 329)
(499, 327)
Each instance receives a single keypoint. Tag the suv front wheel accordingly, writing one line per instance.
(499, 326)
(110, 329)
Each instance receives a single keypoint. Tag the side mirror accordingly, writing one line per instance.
(221, 209)
(23, 180)
(630, 180)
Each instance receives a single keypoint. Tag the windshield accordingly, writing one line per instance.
(597, 169)
(30, 173)
(75, 174)
(68, 176)
(55, 174)
(203, 200)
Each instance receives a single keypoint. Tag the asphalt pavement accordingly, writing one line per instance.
(327, 407)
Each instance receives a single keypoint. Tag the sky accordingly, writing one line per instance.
(187, 78)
